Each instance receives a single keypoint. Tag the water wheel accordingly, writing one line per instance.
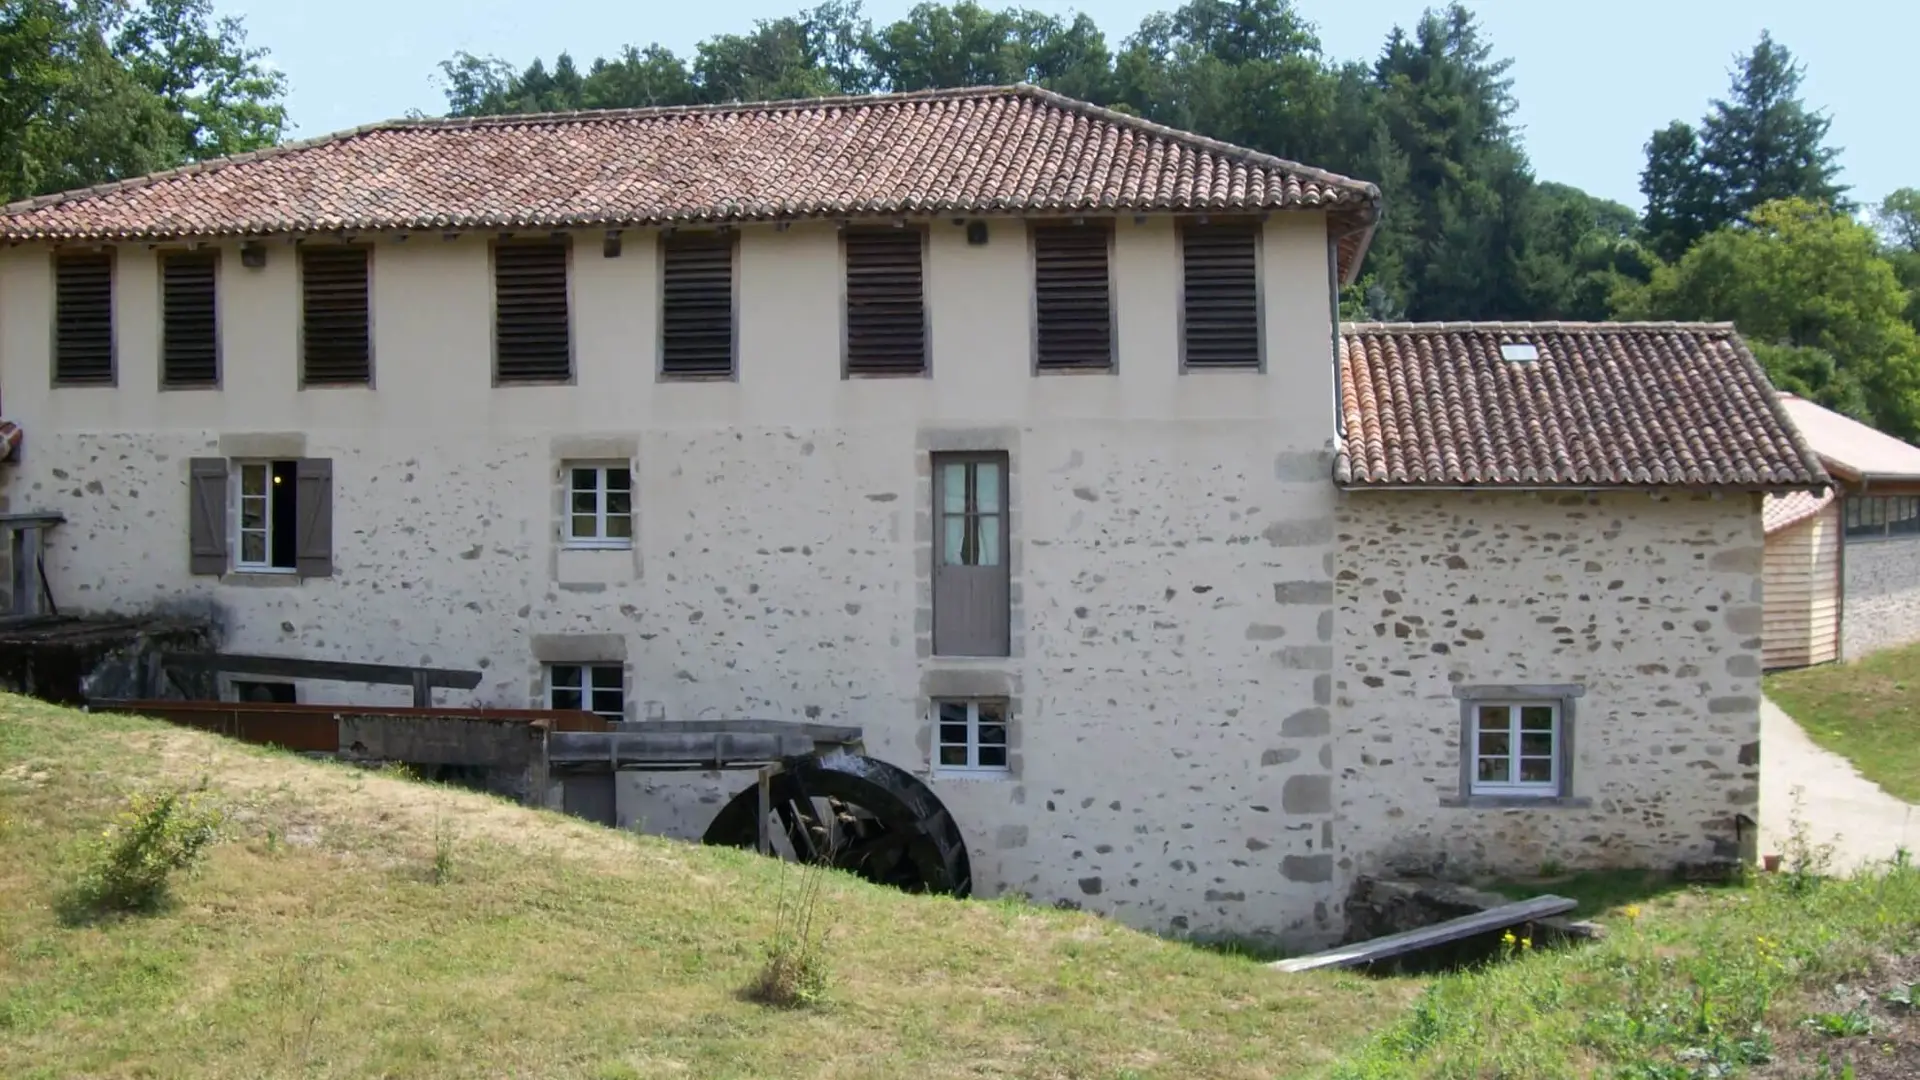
(858, 814)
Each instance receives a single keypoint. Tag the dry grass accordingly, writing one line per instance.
(1867, 712)
(316, 943)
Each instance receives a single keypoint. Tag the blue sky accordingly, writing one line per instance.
(1593, 79)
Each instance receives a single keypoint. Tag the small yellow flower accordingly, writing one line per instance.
(1633, 911)
(1507, 938)
(1526, 943)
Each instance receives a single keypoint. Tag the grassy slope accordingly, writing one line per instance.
(1868, 712)
(315, 944)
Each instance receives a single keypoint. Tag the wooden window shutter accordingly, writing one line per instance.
(530, 332)
(696, 305)
(190, 336)
(1220, 309)
(336, 347)
(83, 319)
(1072, 301)
(207, 515)
(886, 309)
(313, 517)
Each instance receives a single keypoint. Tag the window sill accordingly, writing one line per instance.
(1517, 802)
(262, 579)
(591, 545)
(1071, 370)
(854, 375)
(950, 773)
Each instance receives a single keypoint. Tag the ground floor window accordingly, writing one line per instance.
(277, 693)
(1516, 748)
(266, 522)
(596, 688)
(972, 738)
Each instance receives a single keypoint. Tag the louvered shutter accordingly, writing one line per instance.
(1071, 297)
(1221, 302)
(335, 338)
(886, 310)
(530, 313)
(207, 515)
(190, 348)
(313, 517)
(83, 319)
(696, 305)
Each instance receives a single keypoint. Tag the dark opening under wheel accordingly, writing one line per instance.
(859, 814)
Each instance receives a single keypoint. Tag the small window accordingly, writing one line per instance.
(599, 506)
(1516, 748)
(1220, 299)
(336, 345)
(1877, 517)
(1519, 352)
(886, 311)
(267, 514)
(531, 342)
(596, 688)
(275, 693)
(972, 738)
(83, 319)
(189, 320)
(696, 305)
(1072, 298)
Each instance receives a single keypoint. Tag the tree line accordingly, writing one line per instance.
(1745, 219)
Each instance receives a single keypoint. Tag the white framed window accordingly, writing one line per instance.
(971, 738)
(597, 688)
(265, 517)
(599, 505)
(1516, 748)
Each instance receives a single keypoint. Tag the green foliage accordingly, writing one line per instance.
(96, 91)
(1810, 283)
(796, 973)
(1758, 145)
(1841, 1025)
(129, 867)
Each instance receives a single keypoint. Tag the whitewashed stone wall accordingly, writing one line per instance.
(1881, 595)
(1653, 605)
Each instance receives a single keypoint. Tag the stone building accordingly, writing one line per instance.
(1017, 432)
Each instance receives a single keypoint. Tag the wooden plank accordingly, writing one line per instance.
(294, 667)
(1465, 926)
(672, 749)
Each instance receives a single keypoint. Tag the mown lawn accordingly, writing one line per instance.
(1867, 712)
(354, 924)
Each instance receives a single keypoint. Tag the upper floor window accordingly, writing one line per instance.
(886, 310)
(971, 583)
(599, 506)
(1871, 517)
(336, 345)
(189, 320)
(83, 318)
(261, 516)
(1220, 296)
(531, 326)
(696, 305)
(1072, 298)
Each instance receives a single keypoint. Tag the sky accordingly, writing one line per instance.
(1593, 80)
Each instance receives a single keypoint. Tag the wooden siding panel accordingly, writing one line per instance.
(1802, 581)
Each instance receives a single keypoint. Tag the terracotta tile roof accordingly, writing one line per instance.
(1791, 508)
(984, 150)
(1603, 405)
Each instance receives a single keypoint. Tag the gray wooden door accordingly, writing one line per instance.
(970, 577)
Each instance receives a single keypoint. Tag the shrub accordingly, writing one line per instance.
(129, 866)
(796, 973)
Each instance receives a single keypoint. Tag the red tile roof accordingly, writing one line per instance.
(1603, 405)
(984, 150)
(1790, 508)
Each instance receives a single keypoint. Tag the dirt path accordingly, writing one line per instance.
(1839, 806)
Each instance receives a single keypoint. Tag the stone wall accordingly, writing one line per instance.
(1880, 596)
(1650, 605)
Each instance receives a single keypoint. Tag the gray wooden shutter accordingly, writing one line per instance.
(313, 517)
(1071, 297)
(886, 309)
(971, 589)
(1220, 310)
(530, 323)
(83, 319)
(207, 515)
(696, 305)
(335, 339)
(189, 321)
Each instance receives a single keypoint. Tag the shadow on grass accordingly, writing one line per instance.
(1603, 892)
